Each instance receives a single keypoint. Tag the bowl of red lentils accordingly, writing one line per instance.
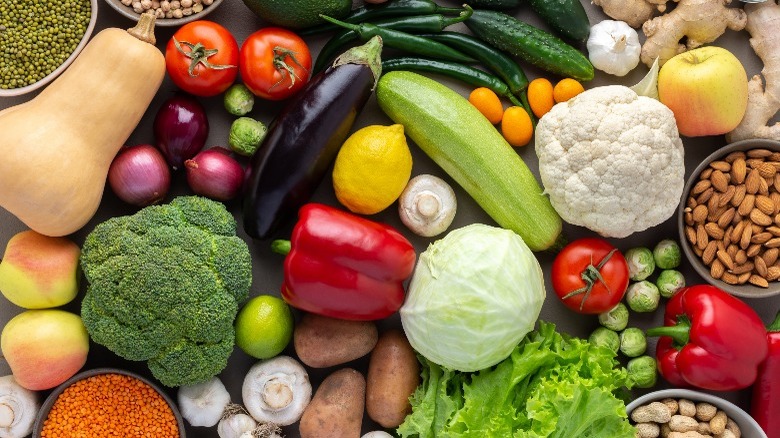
(108, 402)
(167, 12)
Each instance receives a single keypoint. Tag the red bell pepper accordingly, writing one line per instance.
(710, 340)
(345, 266)
(765, 407)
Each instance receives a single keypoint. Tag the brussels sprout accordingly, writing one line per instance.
(641, 263)
(633, 342)
(667, 254)
(604, 337)
(246, 134)
(669, 282)
(643, 296)
(643, 371)
(239, 100)
(616, 319)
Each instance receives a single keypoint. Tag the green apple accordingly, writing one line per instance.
(706, 89)
(44, 348)
(39, 272)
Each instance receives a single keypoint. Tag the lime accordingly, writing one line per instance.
(372, 168)
(264, 326)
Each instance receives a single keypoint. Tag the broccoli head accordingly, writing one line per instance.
(165, 285)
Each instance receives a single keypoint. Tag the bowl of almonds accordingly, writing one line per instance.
(168, 12)
(683, 413)
(729, 218)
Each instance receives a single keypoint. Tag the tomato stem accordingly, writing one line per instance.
(198, 54)
(280, 55)
(591, 275)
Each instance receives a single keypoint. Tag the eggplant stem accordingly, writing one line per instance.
(198, 54)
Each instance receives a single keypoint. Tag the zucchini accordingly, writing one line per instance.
(530, 43)
(494, 4)
(463, 142)
(567, 17)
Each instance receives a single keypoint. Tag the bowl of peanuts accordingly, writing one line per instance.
(683, 413)
(729, 218)
(108, 402)
(168, 12)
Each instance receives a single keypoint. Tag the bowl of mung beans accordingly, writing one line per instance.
(729, 218)
(167, 12)
(40, 39)
(106, 402)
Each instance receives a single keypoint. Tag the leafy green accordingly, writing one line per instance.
(552, 385)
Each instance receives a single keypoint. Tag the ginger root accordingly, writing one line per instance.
(701, 21)
(763, 24)
(633, 12)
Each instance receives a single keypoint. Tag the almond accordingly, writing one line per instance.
(774, 156)
(744, 277)
(772, 273)
(701, 237)
(766, 170)
(760, 266)
(753, 250)
(739, 195)
(774, 230)
(743, 268)
(740, 257)
(765, 204)
(761, 237)
(709, 253)
(776, 183)
(714, 231)
(770, 256)
(690, 234)
(763, 186)
(700, 213)
(736, 155)
(724, 258)
(760, 218)
(759, 153)
(688, 217)
(721, 165)
(719, 181)
(729, 278)
(717, 269)
(700, 187)
(705, 195)
(736, 235)
(691, 203)
(738, 171)
(752, 163)
(744, 240)
(747, 205)
(752, 182)
(726, 217)
(775, 197)
(726, 197)
(759, 281)
(773, 243)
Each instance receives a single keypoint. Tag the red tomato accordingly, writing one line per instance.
(590, 275)
(205, 63)
(275, 63)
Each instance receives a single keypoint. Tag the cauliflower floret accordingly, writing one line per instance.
(611, 161)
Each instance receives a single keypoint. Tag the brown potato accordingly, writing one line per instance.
(393, 375)
(322, 342)
(336, 411)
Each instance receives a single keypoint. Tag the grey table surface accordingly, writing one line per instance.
(267, 267)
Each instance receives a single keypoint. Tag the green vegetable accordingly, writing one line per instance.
(494, 4)
(300, 13)
(462, 141)
(567, 17)
(246, 135)
(667, 254)
(604, 337)
(643, 296)
(473, 296)
(633, 342)
(552, 385)
(669, 282)
(165, 285)
(239, 100)
(641, 263)
(643, 371)
(532, 44)
(616, 319)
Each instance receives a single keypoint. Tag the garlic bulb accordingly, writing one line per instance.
(203, 404)
(18, 408)
(235, 423)
(613, 47)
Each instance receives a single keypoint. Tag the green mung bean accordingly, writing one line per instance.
(37, 36)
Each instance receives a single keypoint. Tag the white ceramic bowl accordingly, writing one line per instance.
(51, 76)
(746, 423)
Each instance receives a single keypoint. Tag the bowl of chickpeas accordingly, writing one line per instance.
(108, 402)
(40, 40)
(167, 12)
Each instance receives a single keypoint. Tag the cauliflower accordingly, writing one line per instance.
(611, 161)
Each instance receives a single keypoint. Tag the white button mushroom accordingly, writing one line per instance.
(277, 391)
(18, 408)
(427, 205)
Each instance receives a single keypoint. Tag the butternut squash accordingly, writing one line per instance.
(57, 147)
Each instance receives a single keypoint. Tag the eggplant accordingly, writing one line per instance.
(303, 141)
(180, 129)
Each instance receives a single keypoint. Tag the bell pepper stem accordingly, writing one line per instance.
(775, 325)
(281, 246)
(680, 332)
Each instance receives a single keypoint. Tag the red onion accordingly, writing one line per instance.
(213, 173)
(180, 128)
(139, 175)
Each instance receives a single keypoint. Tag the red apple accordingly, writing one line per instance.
(706, 89)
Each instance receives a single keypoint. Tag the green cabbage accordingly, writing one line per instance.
(551, 385)
(474, 295)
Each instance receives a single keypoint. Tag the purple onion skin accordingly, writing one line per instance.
(139, 175)
(180, 129)
(215, 174)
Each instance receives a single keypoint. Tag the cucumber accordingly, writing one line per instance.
(567, 17)
(470, 150)
(530, 43)
(494, 4)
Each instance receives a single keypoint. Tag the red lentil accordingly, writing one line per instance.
(110, 405)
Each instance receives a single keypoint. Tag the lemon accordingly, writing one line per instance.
(264, 326)
(372, 168)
